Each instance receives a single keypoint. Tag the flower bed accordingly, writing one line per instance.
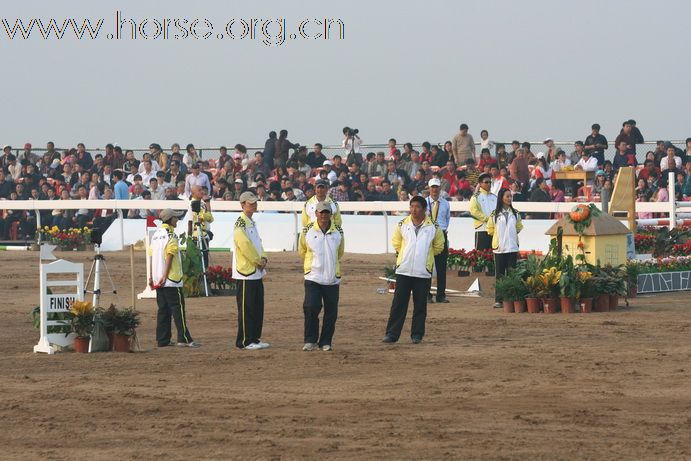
(68, 239)
(471, 260)
(221, 280)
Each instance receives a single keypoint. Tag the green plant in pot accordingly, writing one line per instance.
(81, 322)
(585, 289)
(535, 291)
(509, 288)
(125, 323)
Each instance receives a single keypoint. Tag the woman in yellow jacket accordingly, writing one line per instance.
(503, 225)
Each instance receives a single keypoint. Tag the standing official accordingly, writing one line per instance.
(166, 279)
(439, 210)
(249, 268)
(504, 225)
(482, 204)
(321, 248)
(321, 188)
(416, 240)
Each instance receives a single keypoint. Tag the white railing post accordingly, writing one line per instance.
(672, 201)
(122, 229)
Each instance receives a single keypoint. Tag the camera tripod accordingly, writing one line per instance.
(95, 271)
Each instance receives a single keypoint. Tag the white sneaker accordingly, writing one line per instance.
(327, 347)
(309, 347)
(190, 344)
(253, 347)
(264, 345)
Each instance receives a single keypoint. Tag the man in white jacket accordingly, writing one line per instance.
(417, 240)
(321, 248)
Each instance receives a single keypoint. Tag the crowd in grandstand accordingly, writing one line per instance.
(284, 171)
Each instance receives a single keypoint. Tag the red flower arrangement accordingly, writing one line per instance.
(220, 278)
(478, 260)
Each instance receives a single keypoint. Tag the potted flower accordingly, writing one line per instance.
(221, 280)
(488, 257)
(125, 325)
(550, 277)
(81, 321)
(535, 286)
(568, 288)
(601, 283)
(616, 284)
(585, 290)
(506, 290)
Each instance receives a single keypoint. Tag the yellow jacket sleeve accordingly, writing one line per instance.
(476, 210)
(302, 244)
(172, 247)
(397, 239)
(491, 225)
(305, 219)
(519, 223)
(245, 248)
(207, 216)
(438, 242)
(341, 247)
(337, 217)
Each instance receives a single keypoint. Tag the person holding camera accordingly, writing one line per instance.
(201, 220)
(351, 143)
(166, 279)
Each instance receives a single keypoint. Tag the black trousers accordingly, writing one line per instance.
(315, 294)
(250, 299)
(483, 241)
(171, 302)
(399, 306)
(503, 262)
(440, 264)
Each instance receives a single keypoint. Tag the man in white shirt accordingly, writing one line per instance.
(196, 179)
(147, 173)
(330, 173)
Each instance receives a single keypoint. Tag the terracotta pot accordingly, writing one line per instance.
(601, 303)
(549, 305)
(463, 273)
(121, 343)
(586, 305)
(533, 305)
(392, 285)
(519, 306)
(613, 302)
(508, 306)
(633, 291)
(81, 344)
(568, 305)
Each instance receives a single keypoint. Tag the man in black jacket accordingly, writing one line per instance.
(270, 150)
(316, 159)
(540, 193)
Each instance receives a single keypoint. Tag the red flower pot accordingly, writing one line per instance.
(613, 302)
(519, 306)
(81, 344)
(533, 305)
(586, 305)
(568, 305)
(633, 291)
(601, 303)
(121, 343)
(549, 305)
(508, 306)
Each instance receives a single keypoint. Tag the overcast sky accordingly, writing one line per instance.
(409, 70)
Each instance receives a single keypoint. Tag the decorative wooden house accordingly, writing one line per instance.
(604, 240)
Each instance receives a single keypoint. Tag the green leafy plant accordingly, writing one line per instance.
(81, 318)
(125, 321)
(665, 240)
(390, 272)
(511, 286)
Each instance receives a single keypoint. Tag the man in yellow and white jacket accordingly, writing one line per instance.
(166, 279)
(321, 249)
(482, 204)
(416, 240)
(321, 189)
(249, 268)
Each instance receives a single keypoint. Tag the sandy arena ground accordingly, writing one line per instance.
(483, 384)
